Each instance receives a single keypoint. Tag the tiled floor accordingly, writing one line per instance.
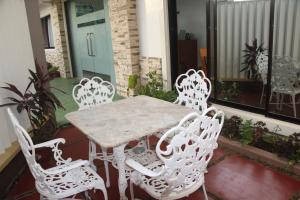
(230, 176)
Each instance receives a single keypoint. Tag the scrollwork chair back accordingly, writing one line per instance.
(28, 150)
(186, 157)
(92, 92)
(193, 89)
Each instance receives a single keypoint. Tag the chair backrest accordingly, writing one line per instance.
(190, 149)
(284, 77)
(92, 92)
(193, 89)
(27, 147)
(262, 64)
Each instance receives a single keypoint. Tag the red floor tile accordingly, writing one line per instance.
(71, 134)
(237, 178)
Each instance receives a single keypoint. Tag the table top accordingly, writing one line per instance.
(120, 122)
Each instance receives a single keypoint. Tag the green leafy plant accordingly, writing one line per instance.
(154, 88)
(38, 103)
(229, 91)
(53, 69)
(250, 55)
(231, 127)
(289, 147)
(246, 132)
(132, 81)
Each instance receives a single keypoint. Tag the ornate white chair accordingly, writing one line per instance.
(193, 89)
(181, 165)
(67, 179)
(262, 64)
(285, 82)
(92, 92)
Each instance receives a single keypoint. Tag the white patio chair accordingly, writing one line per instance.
(67, 179)
(193, 89)
(180, 167)
(92, 92)
(285, 82)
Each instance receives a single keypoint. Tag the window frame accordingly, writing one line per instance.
(45, 30)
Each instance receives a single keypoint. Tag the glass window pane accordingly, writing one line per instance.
(50, 33)
(242, 35)
(84, 7)
(285, 80)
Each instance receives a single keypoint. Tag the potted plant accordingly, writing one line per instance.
(39, 104)
(53, 72)
(250, 55)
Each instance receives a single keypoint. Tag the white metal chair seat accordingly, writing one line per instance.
(156, 186)
(182, 161)
(145, 158)
(73, 181)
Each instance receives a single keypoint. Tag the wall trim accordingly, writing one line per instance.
(9, 155)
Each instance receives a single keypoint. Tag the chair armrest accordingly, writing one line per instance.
(53, 144)
(67, 167)
(141, 169)
(50, 143)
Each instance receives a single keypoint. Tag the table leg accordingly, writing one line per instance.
(92, 154)
(119, 155)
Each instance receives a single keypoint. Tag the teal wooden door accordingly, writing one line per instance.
(91, 38)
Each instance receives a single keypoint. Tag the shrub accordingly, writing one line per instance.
(154, 88)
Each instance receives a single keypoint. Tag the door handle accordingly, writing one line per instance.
(87, 43)
(91, 44)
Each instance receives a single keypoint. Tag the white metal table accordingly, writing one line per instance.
(114, 125)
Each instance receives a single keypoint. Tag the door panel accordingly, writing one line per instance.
(90, 36)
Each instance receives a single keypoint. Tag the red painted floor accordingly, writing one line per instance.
(230, 176)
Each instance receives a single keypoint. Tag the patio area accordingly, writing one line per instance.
(230, 176)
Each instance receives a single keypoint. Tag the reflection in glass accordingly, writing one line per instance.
(84, 7)
(285, 87)
(243, 35)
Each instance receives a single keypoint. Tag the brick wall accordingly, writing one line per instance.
(59, 55)
(149, 64)
(125, 41)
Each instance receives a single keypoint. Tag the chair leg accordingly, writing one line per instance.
(131, 190)
(277, 100)
(204, 191)
(281, 102)
(262, 94)
(294, 105)
(104, 151)
(92, 154)
(102, 187)
(87, 196)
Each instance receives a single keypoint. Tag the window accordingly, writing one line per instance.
(47, 32)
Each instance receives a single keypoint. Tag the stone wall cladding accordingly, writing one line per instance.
(125, 41)
(150, 64)
(59, 55)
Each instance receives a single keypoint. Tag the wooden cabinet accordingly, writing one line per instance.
(187, 55)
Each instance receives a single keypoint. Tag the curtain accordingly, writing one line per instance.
(240, 22)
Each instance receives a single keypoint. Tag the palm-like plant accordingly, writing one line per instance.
(250, 55)
(38, 104)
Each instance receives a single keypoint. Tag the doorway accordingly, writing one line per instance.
(90, 38)
(187, 19)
